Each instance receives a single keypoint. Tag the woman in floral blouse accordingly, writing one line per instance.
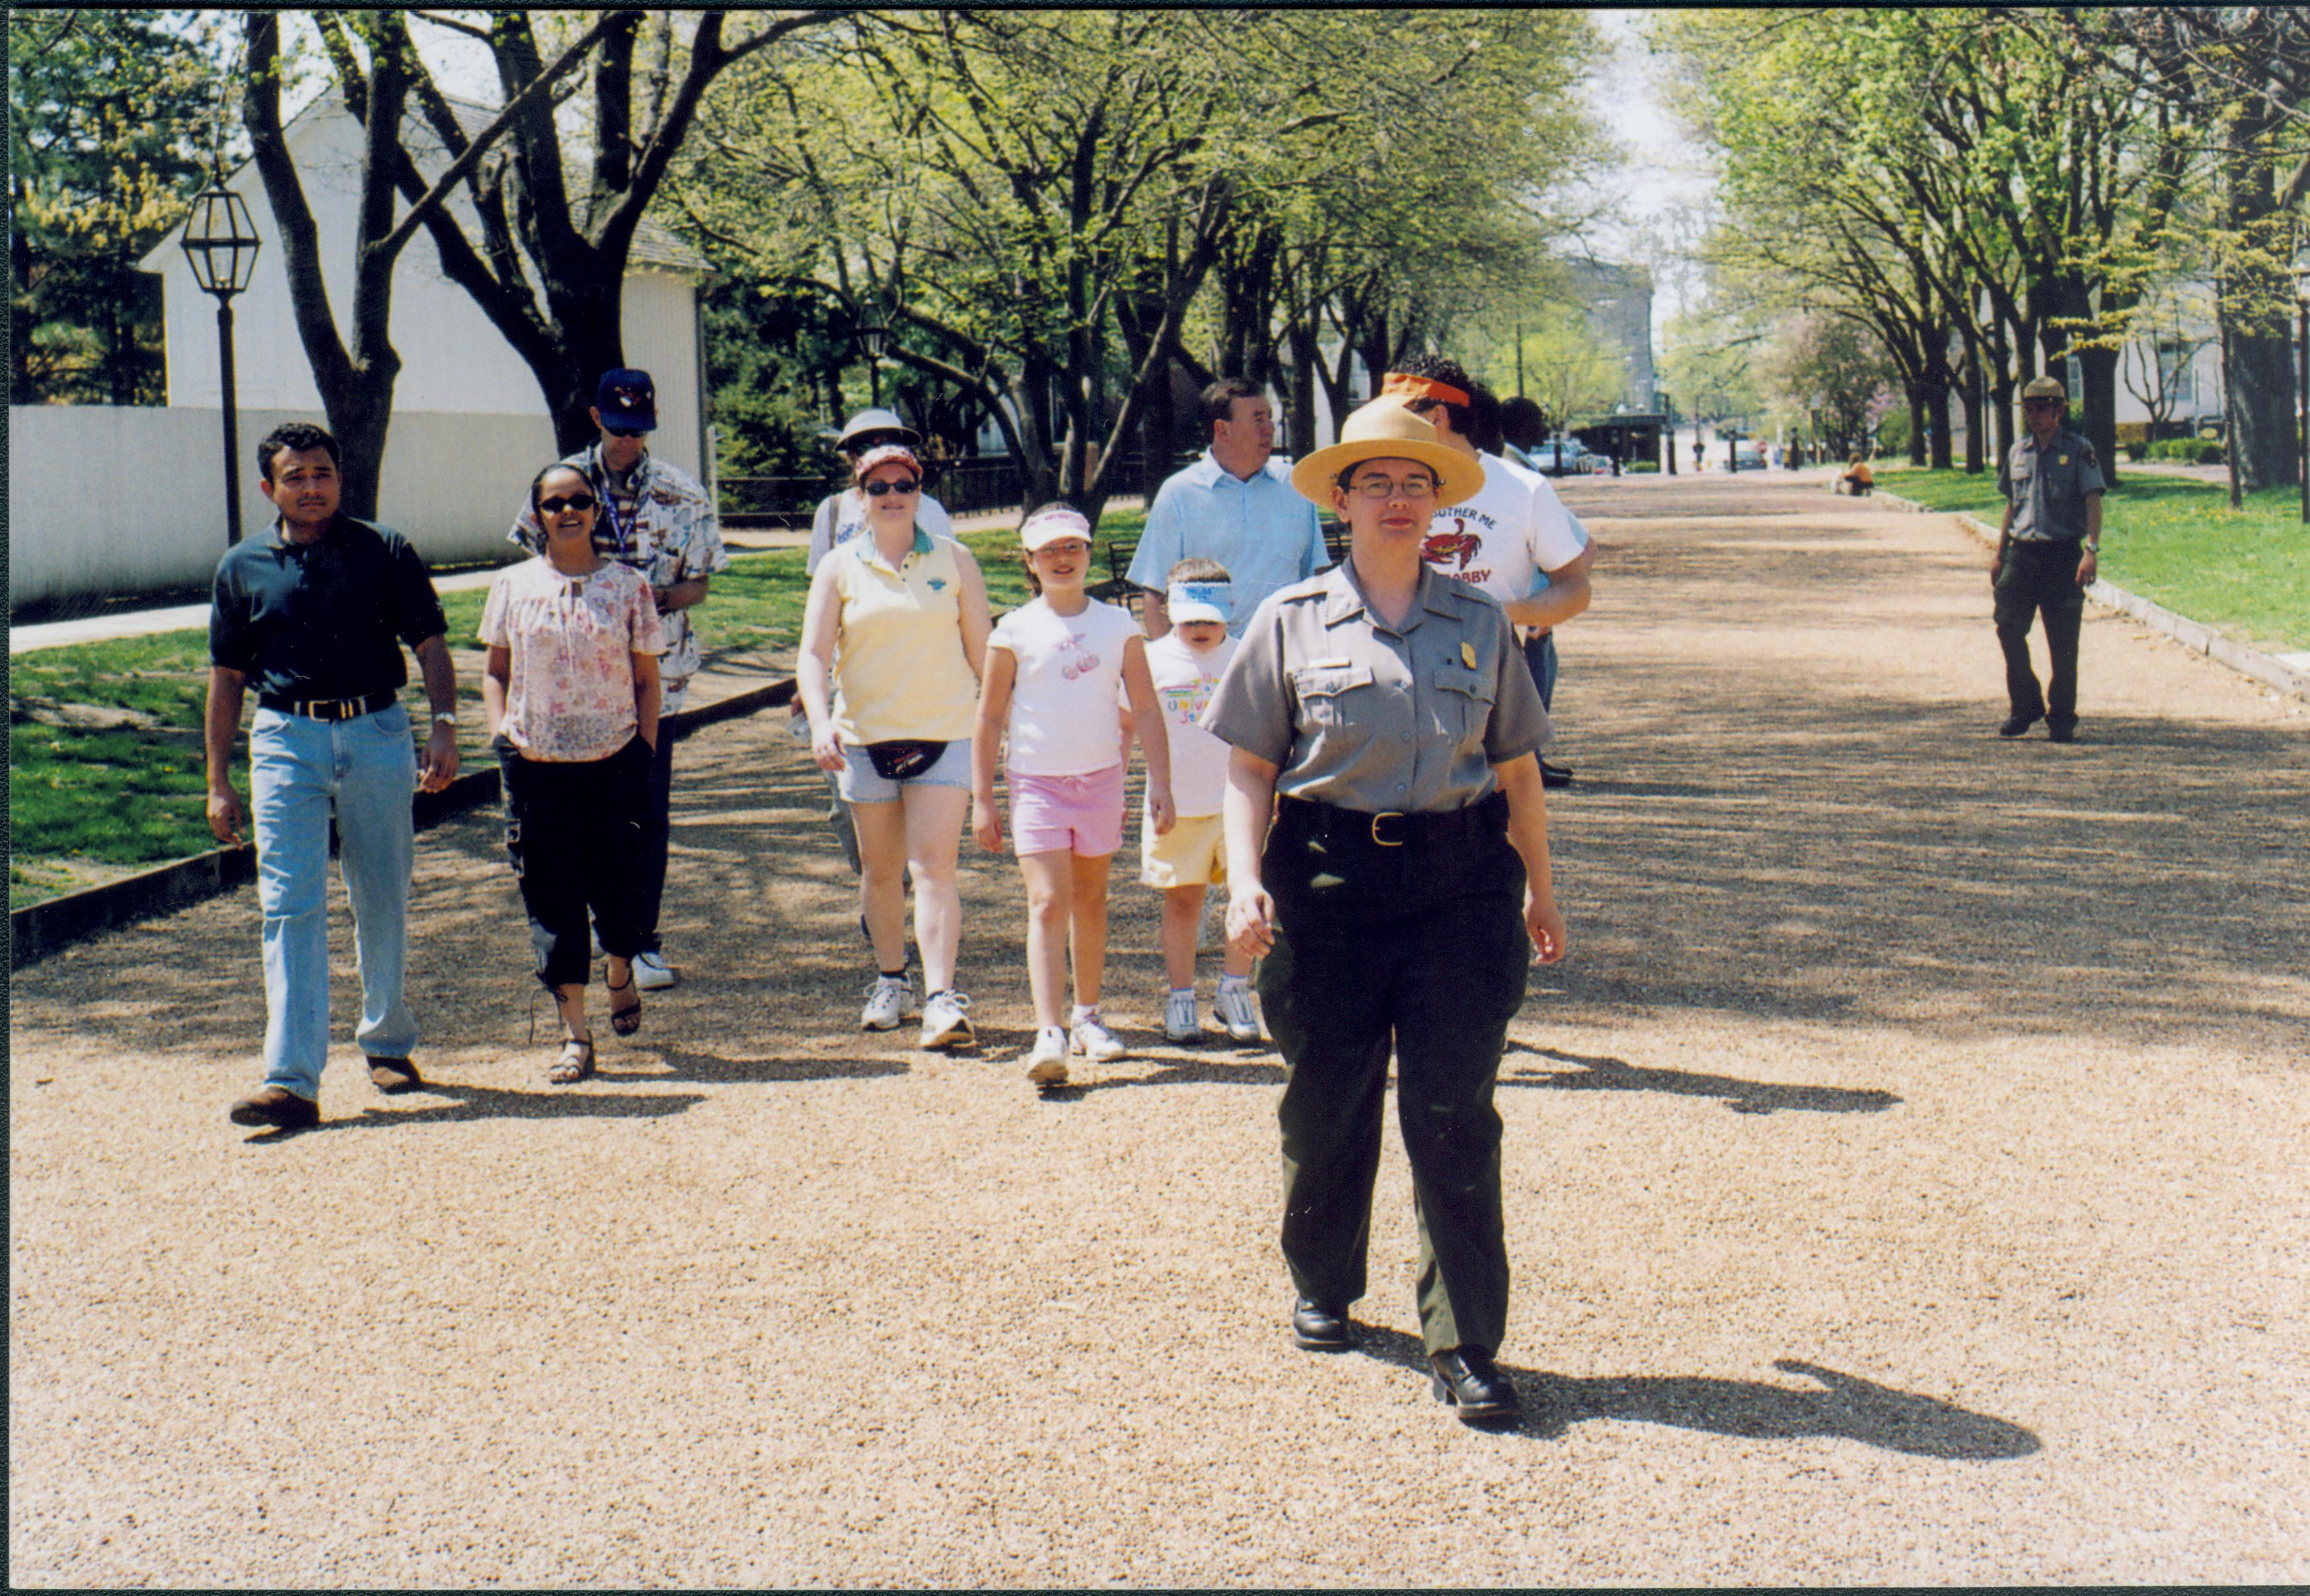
(570, 696)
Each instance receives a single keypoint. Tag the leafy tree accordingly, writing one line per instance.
(2235, 82)
(1831, 371)
(1939, 173)
(108, 114)
(1565, 367)
(356, 379)
(1057, 208)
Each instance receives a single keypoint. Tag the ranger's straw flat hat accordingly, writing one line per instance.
(1384, 430)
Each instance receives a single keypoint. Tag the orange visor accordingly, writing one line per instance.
(1398, 385)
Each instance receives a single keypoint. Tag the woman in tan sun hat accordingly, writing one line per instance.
(1385, 800)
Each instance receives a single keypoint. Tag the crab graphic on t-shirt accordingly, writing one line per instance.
(1084, 662)
(1438, 548)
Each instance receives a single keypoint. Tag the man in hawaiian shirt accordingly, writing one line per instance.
(656, 518)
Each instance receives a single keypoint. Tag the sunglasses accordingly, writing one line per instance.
(625, 431)
(905, 485)
(576, 501)
(2041, 404)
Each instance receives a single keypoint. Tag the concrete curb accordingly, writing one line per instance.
(40, 929)
(2195, 635)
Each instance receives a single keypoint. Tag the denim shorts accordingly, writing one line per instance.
(861, 782)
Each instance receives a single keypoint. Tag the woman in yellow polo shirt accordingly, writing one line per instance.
(893, 641)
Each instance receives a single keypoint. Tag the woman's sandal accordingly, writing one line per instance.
(628, 1019)
(576, 1063)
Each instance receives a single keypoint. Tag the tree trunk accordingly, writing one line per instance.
(1158, 435)
(2097, 404)
(1916, 394)
(1306, 363)
(1974, 415)
(1937, 419)
(2258, 414)
(2262, 410)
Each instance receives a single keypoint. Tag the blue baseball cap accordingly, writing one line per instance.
(628, 400)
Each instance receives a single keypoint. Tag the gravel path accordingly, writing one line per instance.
(1904, 1182)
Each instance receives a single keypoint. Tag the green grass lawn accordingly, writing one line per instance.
(104, 739)
(2177, 543)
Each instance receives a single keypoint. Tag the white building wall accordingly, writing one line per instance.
(108, 499)
(453, 359)
(660, 312)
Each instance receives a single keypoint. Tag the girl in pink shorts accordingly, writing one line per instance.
(1053, 671)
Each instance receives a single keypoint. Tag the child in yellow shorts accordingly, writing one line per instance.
(1185, 664)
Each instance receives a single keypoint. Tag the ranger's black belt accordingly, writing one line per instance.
(1391, 828)
(327, 709)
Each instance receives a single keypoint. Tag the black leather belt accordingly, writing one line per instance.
(327, 709)
(1392, 829)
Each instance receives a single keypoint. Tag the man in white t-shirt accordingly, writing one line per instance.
(1513, 539)
(842, 516)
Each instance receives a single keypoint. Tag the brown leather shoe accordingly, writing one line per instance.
(392, 1075)
(278, 1107)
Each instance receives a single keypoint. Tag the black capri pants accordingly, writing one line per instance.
(574, 833)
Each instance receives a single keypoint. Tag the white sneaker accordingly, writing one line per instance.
(1095, 1043)
(1047, 1065)
(946, 1020)
(1233, 1007)
(1181, 1023)
(652, 972)
(887, 1002)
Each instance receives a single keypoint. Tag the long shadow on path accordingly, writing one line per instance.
(1843, 1406)
(1596, 1073)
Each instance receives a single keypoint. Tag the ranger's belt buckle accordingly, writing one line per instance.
(1383, 842)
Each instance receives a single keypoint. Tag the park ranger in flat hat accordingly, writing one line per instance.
(1383, 714)
(2046, 557)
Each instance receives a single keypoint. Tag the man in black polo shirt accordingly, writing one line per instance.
(314, 616)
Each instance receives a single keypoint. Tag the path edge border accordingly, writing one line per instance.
(41, 929)
(2195, 635)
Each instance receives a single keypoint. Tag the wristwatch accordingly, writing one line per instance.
(444, 717)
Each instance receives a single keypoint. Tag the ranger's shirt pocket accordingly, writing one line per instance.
(1329, 695)
(1462, 698)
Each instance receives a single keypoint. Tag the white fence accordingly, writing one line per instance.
(108, 499)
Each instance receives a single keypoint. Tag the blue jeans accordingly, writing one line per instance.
(1539, 659)
(299, 768)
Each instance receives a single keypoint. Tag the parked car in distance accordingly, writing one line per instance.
(1575, 461)
(1751, 456)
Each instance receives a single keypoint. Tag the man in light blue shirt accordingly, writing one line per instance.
(1232, 505)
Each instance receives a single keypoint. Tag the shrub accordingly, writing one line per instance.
(2189, 451)
(1639, 467)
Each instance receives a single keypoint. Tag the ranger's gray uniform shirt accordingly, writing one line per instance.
(1362, 716)
(2047, 486)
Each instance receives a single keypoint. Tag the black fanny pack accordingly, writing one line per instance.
(903, 757)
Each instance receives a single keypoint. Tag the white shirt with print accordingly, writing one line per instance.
(1062, 700)
(1184, 682)
(1512, 530)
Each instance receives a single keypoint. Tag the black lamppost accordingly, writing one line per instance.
(221, 242)
(1668, 426)
(873, 338)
